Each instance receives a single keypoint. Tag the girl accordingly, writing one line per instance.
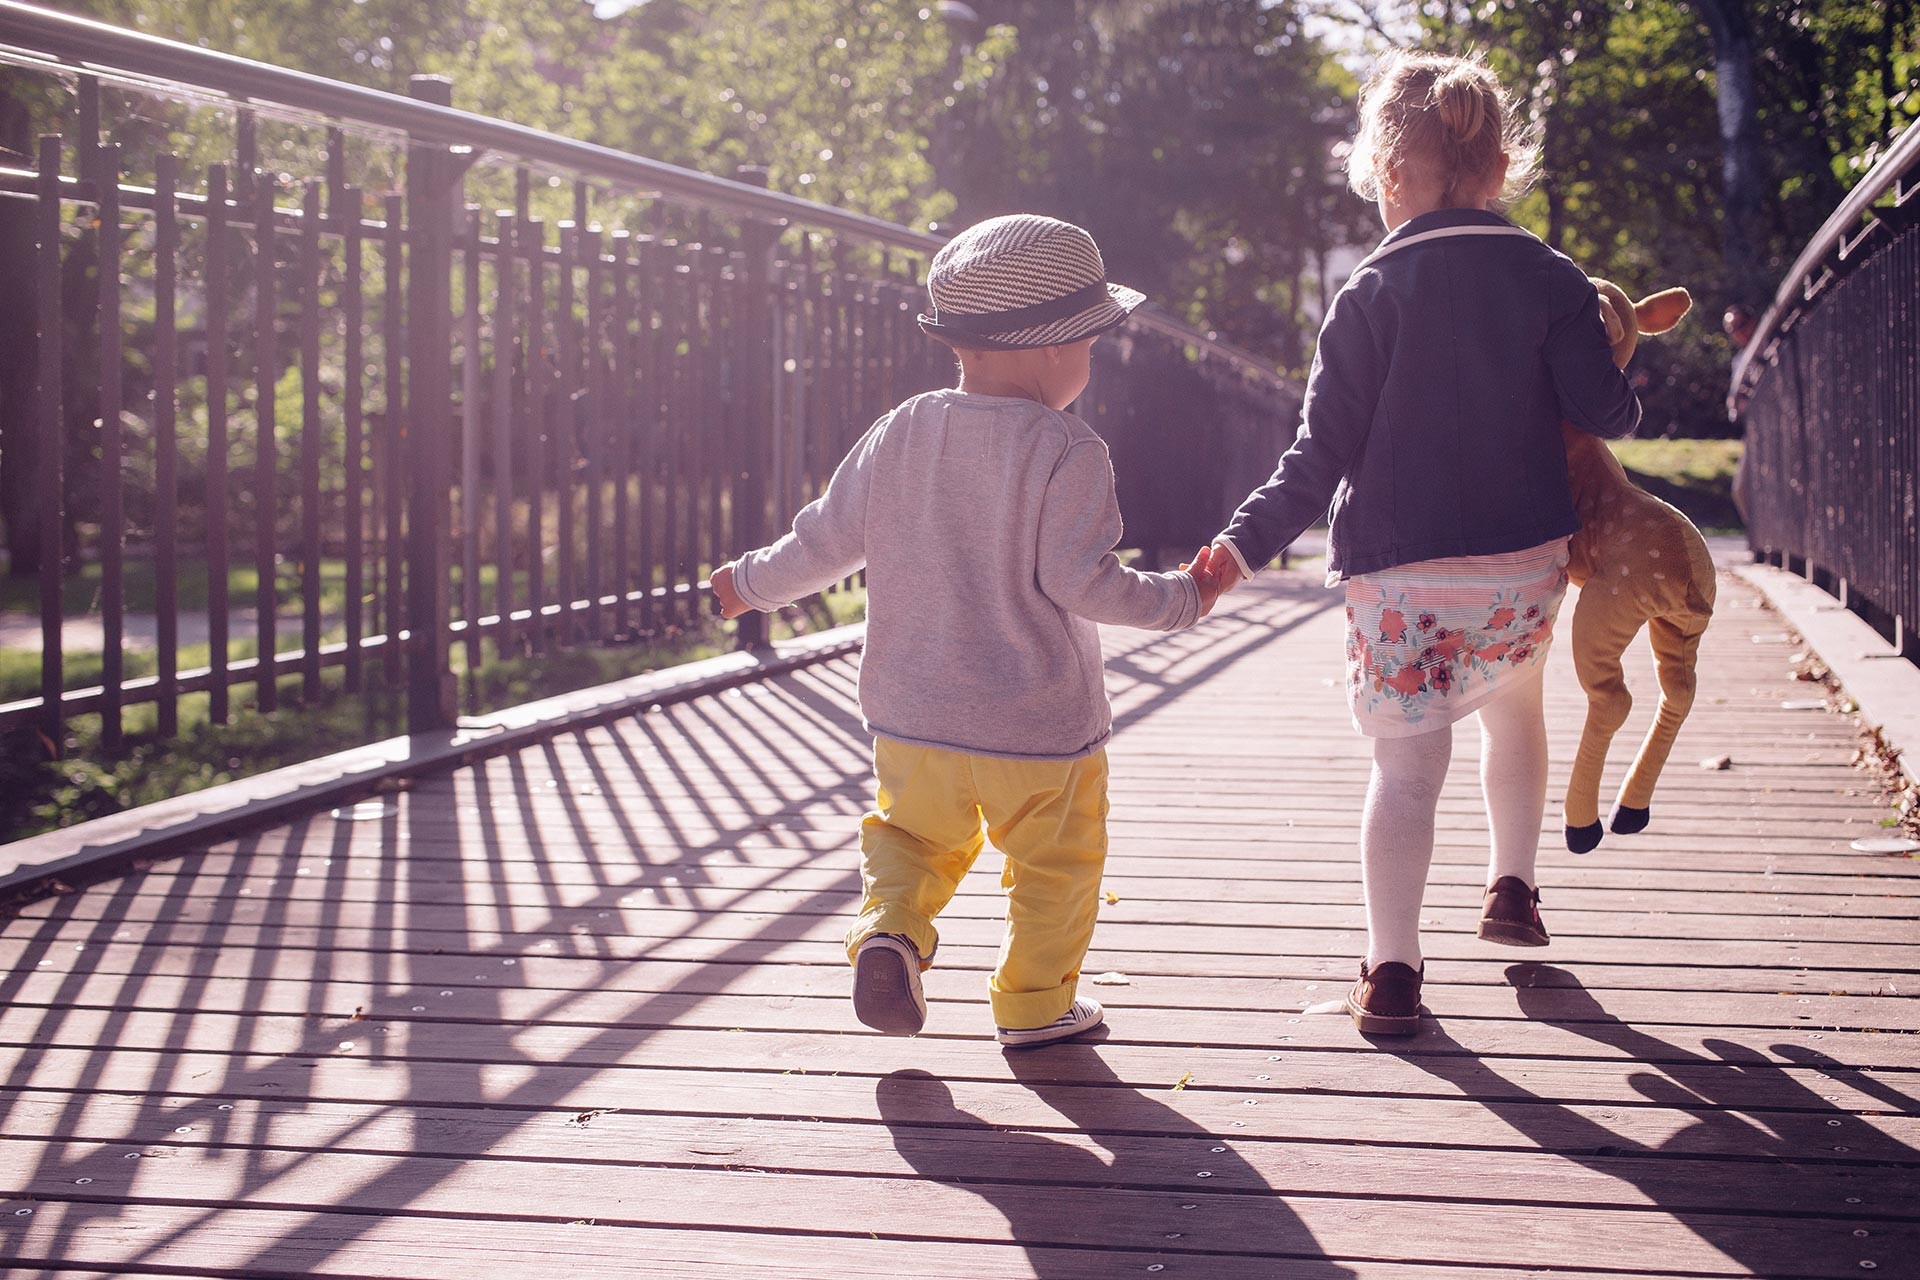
(1432, 421)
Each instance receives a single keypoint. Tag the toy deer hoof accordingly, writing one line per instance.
(1627, 821)
(1584, 839)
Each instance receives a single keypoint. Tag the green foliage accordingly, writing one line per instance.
(1193, 139)
(1624, 92)
(1694, 475)
(830, 96)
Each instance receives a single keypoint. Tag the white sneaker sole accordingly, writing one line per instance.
(1030, 1037)
(886, 988)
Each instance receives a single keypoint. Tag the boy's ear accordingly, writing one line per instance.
(1663, 310)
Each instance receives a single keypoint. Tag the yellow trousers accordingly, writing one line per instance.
(1050, 820)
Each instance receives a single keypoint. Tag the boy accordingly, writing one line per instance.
(985, 517)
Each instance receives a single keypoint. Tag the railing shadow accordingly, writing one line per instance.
(517, 818)
(695, 789)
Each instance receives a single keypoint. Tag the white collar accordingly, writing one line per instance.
(1438, 233)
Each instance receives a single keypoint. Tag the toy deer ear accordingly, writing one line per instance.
(1663, 310)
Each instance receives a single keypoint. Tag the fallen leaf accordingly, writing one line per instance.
(585, 1118)
(1181, 1083)
(1112, 897)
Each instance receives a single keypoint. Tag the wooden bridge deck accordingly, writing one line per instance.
(581, 1009)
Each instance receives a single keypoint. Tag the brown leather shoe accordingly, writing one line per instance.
(1386, 1000)
(1512, 914)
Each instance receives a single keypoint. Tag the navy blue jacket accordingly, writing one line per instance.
(1432, 414)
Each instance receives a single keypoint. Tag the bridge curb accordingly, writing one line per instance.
(1885, 686)
(65, 860)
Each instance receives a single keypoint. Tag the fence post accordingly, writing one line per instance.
(50, 413)
(758, 419)
(433, 198)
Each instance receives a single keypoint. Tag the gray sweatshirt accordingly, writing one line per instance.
(987, 526)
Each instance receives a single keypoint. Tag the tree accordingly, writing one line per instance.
(1736, 95)
(1698, 142)
(1195, 140)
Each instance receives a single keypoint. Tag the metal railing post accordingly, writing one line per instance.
(757, 420)
(50, 413)
(433, 199)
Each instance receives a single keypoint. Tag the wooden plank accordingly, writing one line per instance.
(810, 1033)
(1269, 1225)
(262, 1242)
(506, 840)
(126, 975)
(351, 877)
(149, 1126)
(1649, 939)
(423, 1022)
(1568, 914)
(57, 940)
(1681, 1128)
(1634, 993)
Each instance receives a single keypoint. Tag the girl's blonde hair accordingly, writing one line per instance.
(1433, 119)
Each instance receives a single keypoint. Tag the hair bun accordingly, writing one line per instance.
(1458, 97)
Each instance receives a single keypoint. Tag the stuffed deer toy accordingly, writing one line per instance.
(1638, 562)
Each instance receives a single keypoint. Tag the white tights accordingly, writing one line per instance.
(1396, 830)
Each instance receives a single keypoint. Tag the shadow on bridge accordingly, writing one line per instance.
(333, 1033)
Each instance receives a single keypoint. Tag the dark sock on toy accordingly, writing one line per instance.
(1585, 839)
(1628, 821)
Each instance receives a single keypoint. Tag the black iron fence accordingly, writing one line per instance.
(325, 385)
(1829, 393)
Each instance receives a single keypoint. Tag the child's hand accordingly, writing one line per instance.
(727, 601)
(1225, 568)
(1205, 578)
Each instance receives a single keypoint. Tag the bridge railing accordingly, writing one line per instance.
(324, 385)
(1828, 390)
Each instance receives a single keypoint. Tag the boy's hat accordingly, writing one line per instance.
(1022, 281)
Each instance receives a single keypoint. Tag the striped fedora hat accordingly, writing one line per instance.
(1022, 281)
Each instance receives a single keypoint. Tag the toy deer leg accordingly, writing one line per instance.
(1603, 625)
(1676, 644)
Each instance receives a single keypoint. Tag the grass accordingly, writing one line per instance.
(38, 795)
(80, 668)
(1694, 475)
(80, 591)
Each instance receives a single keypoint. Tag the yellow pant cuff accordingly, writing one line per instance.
(1025, 1010)
(892, 919)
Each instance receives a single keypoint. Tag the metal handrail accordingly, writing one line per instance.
(1840, 227)
(96, 47)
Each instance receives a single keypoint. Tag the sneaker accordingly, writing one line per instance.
(886, 985)
(1386, 999)
(1512, 914)
(1084, 1016)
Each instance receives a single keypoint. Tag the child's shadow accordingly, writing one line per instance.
(1730, 1118)
(1126, 1179)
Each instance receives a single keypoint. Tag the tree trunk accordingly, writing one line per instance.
(1741, 165)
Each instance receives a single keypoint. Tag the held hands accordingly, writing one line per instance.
(726, 601)
(1223, 566)
(1206, 576)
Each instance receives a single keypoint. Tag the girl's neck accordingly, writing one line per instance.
(1396, 215)
(1401, 202)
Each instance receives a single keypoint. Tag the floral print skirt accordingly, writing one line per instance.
(1428, 643)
